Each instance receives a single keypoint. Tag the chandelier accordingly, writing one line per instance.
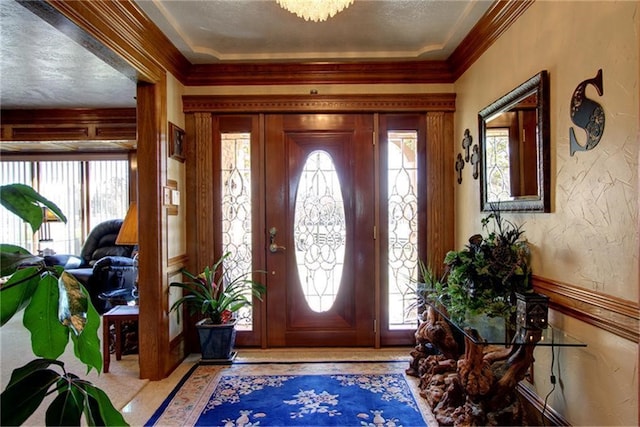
(314, 10)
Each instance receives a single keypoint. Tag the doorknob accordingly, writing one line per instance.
(273, 246)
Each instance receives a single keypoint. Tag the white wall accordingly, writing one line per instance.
(590, 239)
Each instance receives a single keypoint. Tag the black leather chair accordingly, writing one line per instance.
(104, 268)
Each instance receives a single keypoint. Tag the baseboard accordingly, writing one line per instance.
(534, 406)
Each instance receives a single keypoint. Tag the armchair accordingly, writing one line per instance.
(104, 266)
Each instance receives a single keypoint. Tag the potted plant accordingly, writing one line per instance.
(484, 277)
(217, 297)
(56, 309)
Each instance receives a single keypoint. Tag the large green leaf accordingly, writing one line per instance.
(48, 336)
(13, 257)
(17, 292)
(72, 306)
(22, 397)
(86, 346)
(100, 411)
(66, 409)
(27, 203)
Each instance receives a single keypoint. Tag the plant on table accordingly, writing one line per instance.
(56, 308)
(483, 277)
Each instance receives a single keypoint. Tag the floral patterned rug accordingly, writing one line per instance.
(295, 394)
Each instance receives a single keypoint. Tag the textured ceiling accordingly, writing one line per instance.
(260, 30)
(42, 68)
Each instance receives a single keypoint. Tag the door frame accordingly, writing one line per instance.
(438, 110)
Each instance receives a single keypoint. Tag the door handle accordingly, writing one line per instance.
(273, 246)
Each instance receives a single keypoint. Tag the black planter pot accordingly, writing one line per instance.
(217, 341)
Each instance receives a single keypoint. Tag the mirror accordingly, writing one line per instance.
(514, 147)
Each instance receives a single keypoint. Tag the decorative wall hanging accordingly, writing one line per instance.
(475, 161)
(466, 144)
(587, 114)
(459, 167)
(176, 142)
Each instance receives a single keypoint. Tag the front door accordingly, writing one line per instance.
(320, 230)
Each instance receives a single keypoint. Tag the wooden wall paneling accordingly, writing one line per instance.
(319, 73)
(202, 230)
(68, 130)
(440, 209)
(153, 347)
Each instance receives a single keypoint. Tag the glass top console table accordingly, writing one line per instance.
(469, 368)
(485, 330)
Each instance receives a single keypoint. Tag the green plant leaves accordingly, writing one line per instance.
(30, 384)
(26, 391)
(27, 203)
(72, 305)
(48, 336)
(66, 408)
(86, 346)
(100, 411)
(17, 292)
(12, 257)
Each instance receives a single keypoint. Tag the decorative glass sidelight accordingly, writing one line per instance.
(236, 212)
(402, 207)
(319, 231)
(498, 175)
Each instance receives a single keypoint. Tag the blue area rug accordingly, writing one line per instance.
(295, 394)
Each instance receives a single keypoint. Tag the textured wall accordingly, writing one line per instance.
(590, 239)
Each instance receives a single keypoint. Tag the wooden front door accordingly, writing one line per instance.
(320, 230)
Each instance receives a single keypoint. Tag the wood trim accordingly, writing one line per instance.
(440, 211)
(79, 124)
(124, 29)
(397, 103)
(616, 315)
(250, 74)
(176, 263)
(536, 405)
(497, 20)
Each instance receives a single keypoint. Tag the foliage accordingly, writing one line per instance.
(215, 295)
(57, 309)
(424, 288)
(486, 274)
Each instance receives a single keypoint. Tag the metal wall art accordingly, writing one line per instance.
(587, 114)
(475, 161)
(459, 167)
(471, 154)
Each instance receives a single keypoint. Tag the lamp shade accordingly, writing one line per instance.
(128, 234)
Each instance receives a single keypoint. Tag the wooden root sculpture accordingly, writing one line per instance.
(475, 373)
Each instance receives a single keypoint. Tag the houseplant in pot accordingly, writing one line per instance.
(485, 276)
(217, 298)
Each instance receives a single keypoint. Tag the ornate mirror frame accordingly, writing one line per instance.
(532, 95)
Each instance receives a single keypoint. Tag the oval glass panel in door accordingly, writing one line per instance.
(319, 231)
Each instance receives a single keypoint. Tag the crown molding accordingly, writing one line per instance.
(319, 103)
(124, 29)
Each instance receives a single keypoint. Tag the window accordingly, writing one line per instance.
(236, 212)
(402, 205)
(87, 191)
(498, 175)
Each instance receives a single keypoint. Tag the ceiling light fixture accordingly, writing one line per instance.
(314, 10)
